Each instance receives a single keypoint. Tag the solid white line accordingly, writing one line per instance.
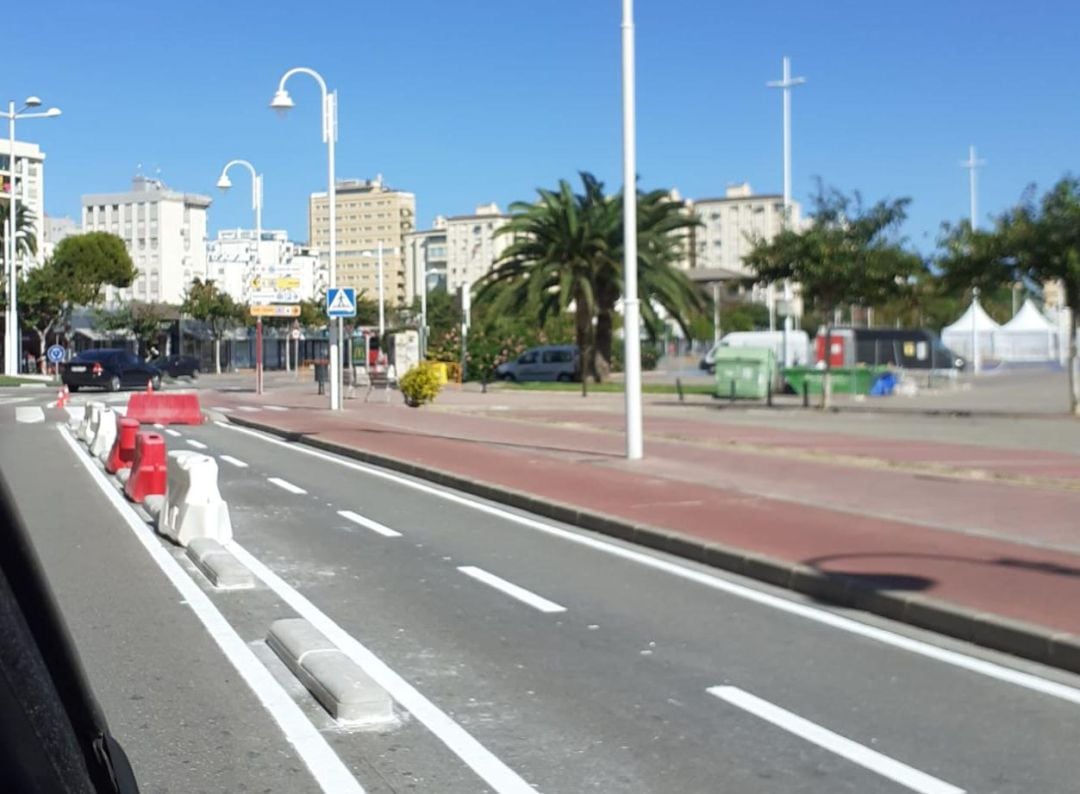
(823, 616)
(511, 589)
(196, 444)
(501, 778)
(288, 486)
(171, 432)
(326, 767)
(833, 742)
(374, 526)
(248, 408)
(234, 461)
(275, 408)
(29, 414)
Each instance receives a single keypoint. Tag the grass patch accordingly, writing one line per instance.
(647, 388)
(7, 380)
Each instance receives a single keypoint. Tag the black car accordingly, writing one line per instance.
(109, 369)
(178, 366)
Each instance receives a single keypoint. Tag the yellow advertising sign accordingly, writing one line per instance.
(275, 311)
(287, 283)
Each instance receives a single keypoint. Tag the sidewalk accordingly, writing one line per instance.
(973, 541)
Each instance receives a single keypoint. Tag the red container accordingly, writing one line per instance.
(123, 449)
(148, 468)
(165, 408)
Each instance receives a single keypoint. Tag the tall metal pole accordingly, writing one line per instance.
(11, 322)
(631, 305)
(972, 164)
(330, 133)
(382, 301)
(256, 198)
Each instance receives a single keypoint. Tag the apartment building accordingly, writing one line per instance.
(165, 234)
(425, 253)
(472, 246)
(29, 170)
(368, 213)
(53, 231)
(271, 270)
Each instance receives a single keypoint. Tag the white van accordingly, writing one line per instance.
(792, 348)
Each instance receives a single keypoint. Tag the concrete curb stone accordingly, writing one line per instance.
(1028, 640)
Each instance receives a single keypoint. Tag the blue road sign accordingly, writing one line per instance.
(55, 354)
(341, 302)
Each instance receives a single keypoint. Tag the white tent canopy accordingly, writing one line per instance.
(975, 322)
(1028, 336)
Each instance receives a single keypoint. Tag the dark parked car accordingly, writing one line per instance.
(177, 366)
(109, 369)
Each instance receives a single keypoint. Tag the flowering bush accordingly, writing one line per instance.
(420, 384)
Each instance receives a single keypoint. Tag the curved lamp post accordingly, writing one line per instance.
(282, 103)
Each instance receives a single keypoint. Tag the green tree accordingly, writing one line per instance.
(847, 255)
(143, 320)
(1038, 241)
(567, 252)
(205, 302)
(25, 229)
(89, 262)
(43, 304)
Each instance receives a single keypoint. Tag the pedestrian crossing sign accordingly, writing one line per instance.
(341, 302)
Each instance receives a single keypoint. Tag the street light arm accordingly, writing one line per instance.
(329, 105)
(256, 181)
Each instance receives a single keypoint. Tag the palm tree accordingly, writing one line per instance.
(568, 250)
(25, 228)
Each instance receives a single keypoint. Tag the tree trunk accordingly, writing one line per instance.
(44, 361)
(217, 354)
(583, 333)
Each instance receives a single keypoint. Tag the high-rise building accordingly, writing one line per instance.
(368, 213)
(53, 231)
(473, 248)
(425, 253)
(245, 272)
(165, 234)
(29, 170)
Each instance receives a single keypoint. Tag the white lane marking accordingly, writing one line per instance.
(954, 658)
(13, 400)
(374, 526)
(159, 426)
(833, 742)
(220, 408)
(501, 778)
(326, 767)
(288, 486)
(196, 444)
(248, 408)
(172, 432)
(275, 408)
(511, 589)
(234, 461)
(29, 414)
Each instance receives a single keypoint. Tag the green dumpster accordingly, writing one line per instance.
(748, 371)
(845, 380)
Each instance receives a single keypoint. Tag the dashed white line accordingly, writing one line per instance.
(833, 742)
(196, 444)
(159, 426)
(172, 432)
(511, 589)
(234, 461)
(285, 484)
(491, 769)
(275, 408)
(29, 414)
(248, 408)
(331, 773)
(818, 615)
(374, 526)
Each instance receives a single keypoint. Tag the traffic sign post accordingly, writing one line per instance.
(55, 354)
(341, 302)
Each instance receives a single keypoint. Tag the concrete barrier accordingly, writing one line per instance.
(165, 408)
(105, 435)
(123, 450)
(224, 571)
(193, 505)
(91, 416)
(336, 681)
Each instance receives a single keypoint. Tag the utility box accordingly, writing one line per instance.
(744, 372)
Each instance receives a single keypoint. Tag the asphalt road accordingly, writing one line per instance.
(572, 662)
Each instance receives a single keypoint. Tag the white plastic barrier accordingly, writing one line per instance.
(91, 417)
(105, 436)
(193, 505)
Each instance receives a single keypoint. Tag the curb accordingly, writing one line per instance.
(1019, 638)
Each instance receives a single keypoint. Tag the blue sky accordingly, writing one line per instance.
(484, 100)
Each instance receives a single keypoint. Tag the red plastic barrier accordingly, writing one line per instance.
(165, 408)
(148, 469)
(123, 449)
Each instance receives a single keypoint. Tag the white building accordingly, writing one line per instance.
(54, 230)
(426, 252)
(233, 263)
(29, 179)
(165, 234)
(472, 247)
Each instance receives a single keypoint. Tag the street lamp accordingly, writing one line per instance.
(282, 103)
(631, 305)
(224, 183)
(12, 337)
